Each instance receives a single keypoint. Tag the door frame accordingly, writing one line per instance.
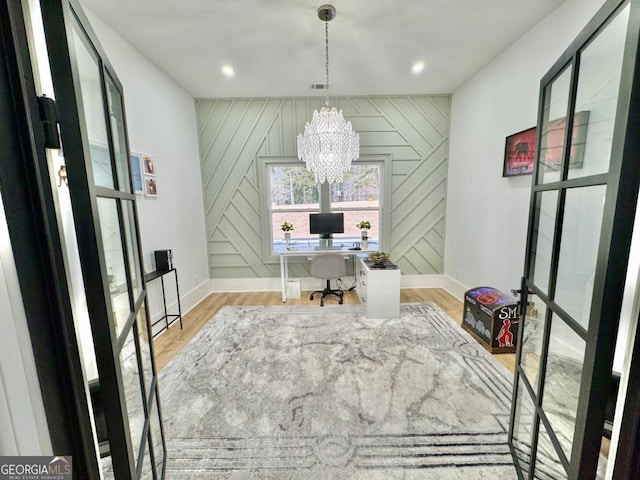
(33, 229)
(622, 181)
(64, 23)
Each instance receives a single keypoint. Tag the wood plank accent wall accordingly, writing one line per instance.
(233, 133)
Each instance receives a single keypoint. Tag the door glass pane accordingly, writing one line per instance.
(548, 465)
(578, 250)
(562, 381)
(132, 247)
(116, 114)
(114, 258)
(552, 135)
(597, 98)
(146, 471)
(532, 346)
(545, 217)
(157, 438)
(93, 109)
(132, 389)
(145, 349)
(523, 427)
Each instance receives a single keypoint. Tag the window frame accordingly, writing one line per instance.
(265, 162)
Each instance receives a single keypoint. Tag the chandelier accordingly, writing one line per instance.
(328, 144)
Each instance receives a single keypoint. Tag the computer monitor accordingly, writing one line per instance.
(326, 224)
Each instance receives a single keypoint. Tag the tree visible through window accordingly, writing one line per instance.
(294, 195)
(359, 198)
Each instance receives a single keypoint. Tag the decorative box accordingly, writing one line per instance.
(492, 318)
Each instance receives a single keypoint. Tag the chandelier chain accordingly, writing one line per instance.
(326, 49)
(328, 144)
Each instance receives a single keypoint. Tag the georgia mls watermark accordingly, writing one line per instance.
(35, 468)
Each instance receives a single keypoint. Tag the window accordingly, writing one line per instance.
(292, 195)
(358, 197)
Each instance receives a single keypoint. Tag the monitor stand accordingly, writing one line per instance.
(326, 243)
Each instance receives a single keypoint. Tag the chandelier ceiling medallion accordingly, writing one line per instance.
(328, 144)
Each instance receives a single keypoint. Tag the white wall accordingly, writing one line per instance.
(161, 122)
(486, 214)
(23, 424)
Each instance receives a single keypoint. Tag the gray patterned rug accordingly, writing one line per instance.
(305, 392)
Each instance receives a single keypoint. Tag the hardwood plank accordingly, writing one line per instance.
(169, 344)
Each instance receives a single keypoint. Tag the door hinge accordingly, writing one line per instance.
(49, 118)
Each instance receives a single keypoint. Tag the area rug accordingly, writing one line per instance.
(304, 392)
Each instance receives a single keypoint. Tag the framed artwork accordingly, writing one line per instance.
(136, 172)
(552, 142)
(147, 165)
(150, 187)
(519, 153)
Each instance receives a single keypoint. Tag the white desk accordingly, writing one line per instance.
(309, 252)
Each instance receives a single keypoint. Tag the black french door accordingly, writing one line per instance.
(96, 153)
(583, 202)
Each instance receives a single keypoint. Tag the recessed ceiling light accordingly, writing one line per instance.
(228, 70)
(417, 67)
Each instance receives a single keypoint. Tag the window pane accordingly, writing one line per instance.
(292, 186)
(578, 250)
(361, 188)
(532, 346)
(132, 390)
(157, 442)
(114, 258)
(132, 248)
(562, 381)
(548, 466)
(116, 114)
(596, 101)
(146, 472)
(556, 97)
(145, 349)
(294, 194)
(544, 225)
(358, 197)
(523, 427)
(93, 108)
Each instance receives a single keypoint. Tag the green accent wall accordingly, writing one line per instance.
(234, 133)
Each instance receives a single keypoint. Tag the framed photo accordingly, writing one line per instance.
(136, 172)
(519, 153)
(552, 142)
(150, 187)
(147, 165)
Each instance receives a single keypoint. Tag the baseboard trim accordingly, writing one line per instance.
(454, 287)
(309, 283)
(421, 281)
(194, 296)
(187, 301)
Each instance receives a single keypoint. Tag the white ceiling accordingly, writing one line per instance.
(276, 47)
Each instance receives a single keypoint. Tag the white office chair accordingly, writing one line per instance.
(328, 266)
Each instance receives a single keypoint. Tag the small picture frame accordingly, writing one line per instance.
(150, 187)
(136, 172)
(519, 153)
(147, 165)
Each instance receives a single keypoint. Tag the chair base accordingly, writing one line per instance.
(328, 291)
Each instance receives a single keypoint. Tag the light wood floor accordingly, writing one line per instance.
(168, 344)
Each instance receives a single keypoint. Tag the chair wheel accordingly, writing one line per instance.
(340, 302)
(311, 297)
(322, 303)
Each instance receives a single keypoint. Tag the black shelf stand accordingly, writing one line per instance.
(167, 316)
